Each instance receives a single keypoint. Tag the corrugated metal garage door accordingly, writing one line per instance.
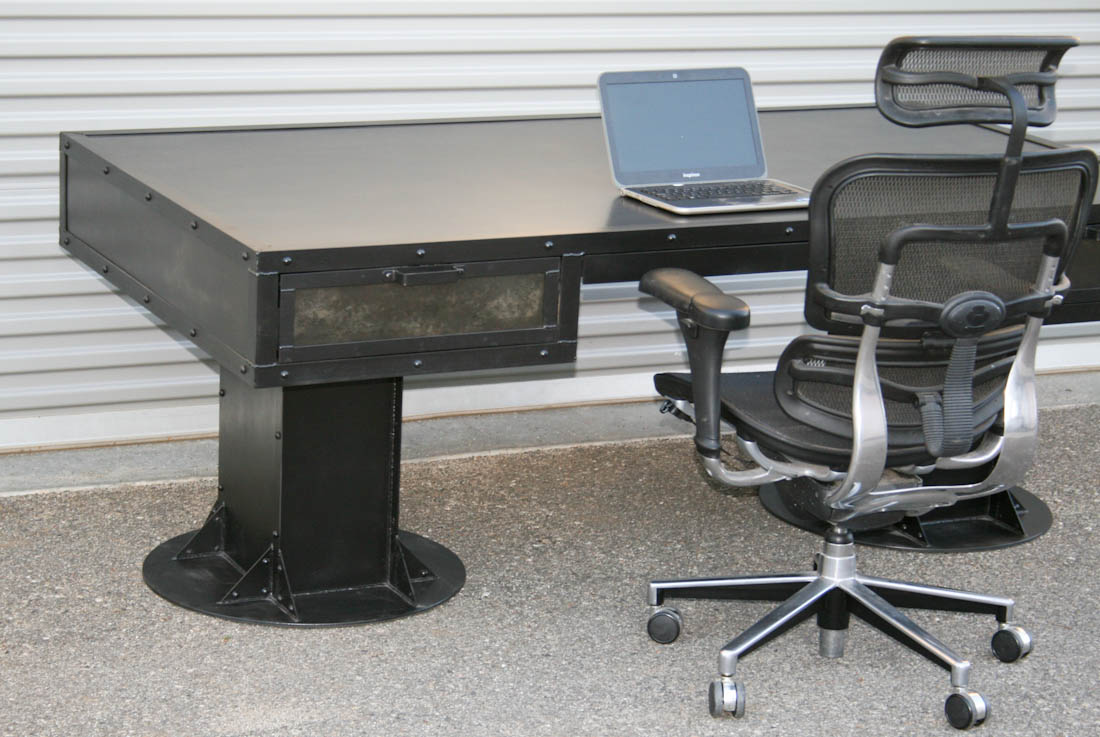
(80, 365)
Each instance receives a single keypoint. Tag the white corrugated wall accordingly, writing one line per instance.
(79, 365)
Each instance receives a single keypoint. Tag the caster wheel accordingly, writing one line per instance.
(1011, 643)
(727, 698)
(664, 625)
(966, 709)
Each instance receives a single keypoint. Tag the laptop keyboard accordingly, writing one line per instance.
(713, 191)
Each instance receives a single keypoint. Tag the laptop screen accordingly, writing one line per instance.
(681, 126)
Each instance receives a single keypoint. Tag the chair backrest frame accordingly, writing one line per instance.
(837, 310)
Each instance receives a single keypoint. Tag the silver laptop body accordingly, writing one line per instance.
(688, 141)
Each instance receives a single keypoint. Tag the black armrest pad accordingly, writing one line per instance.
(695, 297)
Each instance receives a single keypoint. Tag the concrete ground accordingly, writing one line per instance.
(547, 637)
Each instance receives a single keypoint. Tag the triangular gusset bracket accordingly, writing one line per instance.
(405, 570)
(400, 578)
(209, 539)
(266, 580)
(912, 528)
(1007, 510)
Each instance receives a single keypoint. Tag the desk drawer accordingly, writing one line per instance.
(416, 309)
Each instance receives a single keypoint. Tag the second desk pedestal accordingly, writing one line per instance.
(1000, 520)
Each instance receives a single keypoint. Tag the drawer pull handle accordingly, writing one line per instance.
(422, 277)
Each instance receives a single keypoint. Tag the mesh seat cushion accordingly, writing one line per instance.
(813, 381)
(750, 406)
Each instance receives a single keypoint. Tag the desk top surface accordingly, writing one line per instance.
(436, 182)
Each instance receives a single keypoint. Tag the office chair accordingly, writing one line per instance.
(930, 276)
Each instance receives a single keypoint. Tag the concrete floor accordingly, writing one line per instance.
(547, 636)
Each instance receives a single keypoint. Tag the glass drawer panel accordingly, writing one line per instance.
(391, 310)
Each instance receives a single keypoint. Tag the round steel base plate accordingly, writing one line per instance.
(199, 584)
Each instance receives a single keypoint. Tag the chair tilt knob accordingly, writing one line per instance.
(695, 298)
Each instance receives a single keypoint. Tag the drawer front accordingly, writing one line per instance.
(393, 310)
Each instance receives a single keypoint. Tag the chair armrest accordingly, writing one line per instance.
(696, 298)
(700, 304)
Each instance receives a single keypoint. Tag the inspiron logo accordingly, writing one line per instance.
(690, 174)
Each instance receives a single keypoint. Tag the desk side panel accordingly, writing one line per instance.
(154, 253)
(1082, 299)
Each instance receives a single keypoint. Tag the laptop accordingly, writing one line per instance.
(688, 141)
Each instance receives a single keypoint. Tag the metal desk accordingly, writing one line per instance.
(278, 249)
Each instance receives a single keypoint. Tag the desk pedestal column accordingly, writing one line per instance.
(305, 528)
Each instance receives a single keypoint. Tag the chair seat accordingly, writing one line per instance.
(749, 405)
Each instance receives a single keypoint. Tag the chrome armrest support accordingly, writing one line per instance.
(987, 450)
(788, 469)
(749, 477)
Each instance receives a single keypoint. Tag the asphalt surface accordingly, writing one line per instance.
(547, 637)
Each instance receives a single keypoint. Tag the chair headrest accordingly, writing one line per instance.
(940, 80)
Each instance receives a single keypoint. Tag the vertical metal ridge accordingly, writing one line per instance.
(126, 64)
